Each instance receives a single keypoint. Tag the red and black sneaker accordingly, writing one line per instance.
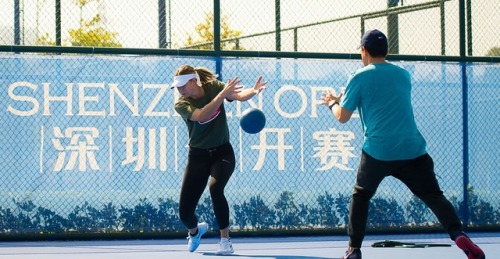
(470, 249)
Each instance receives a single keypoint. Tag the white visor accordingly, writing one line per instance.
(182, 80)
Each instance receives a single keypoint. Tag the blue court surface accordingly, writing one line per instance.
(270, 248)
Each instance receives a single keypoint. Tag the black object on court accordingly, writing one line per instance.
(390, 243)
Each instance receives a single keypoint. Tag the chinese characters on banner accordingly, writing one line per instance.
(146, 149)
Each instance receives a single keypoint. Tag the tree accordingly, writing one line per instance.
(480, 212)
(167, 213)
(308, 216)
(139, 217)
(254, 213)
(49, 221)
(205, 213)
(91, 32)
(241, 215)
(417, 211)
(45, 40)
(205, 37)
(107, 218)
(327, 210)
(385, 213)
(287, 211)
(342, 207)
(24, 220)
(79, 218)
(495, 51)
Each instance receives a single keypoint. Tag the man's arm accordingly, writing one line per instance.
(342, 114)
(333, 102)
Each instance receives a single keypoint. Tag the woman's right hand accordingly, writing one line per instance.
(232, 86)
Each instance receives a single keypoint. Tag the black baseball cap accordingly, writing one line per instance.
(374, 39)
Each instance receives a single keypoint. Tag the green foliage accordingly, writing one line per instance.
(82, 3)
(86, 218)
(205, 34)
(91, 32)
(45, 40)
(11, 223)
(418, 212)
(385, 213)
(49, 221)
(80, 218)
(480, 212)
(205, 213)
(342, 207)
(254, 214)
(327, 211)
(139, 218)
(495, 52)
(285, 214)
(167, 214)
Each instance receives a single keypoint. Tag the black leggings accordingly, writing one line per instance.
(417, 174)
(218, 165)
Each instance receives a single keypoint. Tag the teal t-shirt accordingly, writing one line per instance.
(382, 94)
(205, 134)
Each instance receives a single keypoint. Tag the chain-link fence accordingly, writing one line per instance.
(92, 144)
(415, 27)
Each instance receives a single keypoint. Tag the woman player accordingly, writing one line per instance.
(211, 157)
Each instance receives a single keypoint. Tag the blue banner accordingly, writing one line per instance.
(102, 129)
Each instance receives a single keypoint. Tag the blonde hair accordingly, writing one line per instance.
(204, 73)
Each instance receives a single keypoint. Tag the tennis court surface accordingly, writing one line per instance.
(271, 248)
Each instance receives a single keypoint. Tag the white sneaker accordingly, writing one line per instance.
(194, 241)
(225, 247)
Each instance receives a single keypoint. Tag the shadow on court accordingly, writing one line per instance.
(273, 256)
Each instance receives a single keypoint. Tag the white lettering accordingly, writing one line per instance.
(316, 99)
(161, 92)
(302, 100)
(114, 90)
(280, 147)
(83, 99)
(334, 149)
(68, 99)
(139, 143)
(22, 98)
(81, 148)
(289, 101)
